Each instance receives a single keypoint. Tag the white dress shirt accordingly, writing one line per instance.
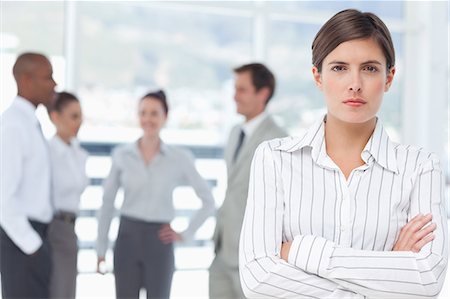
(68, 172)
(25, 175)
(250, 127)
(148, 188)
(343, 231)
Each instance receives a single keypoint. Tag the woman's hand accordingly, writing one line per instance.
(100, 265)
(415, 234)
(167, 235)
(285, 247)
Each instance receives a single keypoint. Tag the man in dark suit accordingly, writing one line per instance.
(255, 85)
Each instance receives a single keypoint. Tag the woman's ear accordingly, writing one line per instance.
(389, 79)
(317, 77)
(54, 117)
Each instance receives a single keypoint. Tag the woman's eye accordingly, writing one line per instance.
(338, 68)
(371, 69)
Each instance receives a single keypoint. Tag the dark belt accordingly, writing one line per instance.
(67, 217)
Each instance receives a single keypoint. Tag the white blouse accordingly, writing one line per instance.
(343, 231)
(68, 173)
(148, 189)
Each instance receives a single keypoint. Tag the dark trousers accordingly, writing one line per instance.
(141, 260)
(23, 275)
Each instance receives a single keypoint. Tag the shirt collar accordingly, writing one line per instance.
(26, 107)
(61, 146)
(312, 138)
(379, 147)
(163, 148)
(250, 126)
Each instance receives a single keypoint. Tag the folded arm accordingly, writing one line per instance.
(403, 273)
(262, 271)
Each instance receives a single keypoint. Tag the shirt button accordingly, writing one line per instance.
(343, 228)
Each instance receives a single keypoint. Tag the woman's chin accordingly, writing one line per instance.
(151, 133)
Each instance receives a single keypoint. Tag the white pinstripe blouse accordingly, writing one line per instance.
(343, 231)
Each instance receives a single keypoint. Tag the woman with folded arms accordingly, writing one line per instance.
(69, 181)
(343, 211)
(148, 170)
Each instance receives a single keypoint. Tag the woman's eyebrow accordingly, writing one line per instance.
(346, 63)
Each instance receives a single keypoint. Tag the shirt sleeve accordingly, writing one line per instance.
(106, 212)
(13, 220)
(262, 271)
(203, 191)
(387, 274)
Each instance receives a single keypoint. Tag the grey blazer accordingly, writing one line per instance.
(231, 214)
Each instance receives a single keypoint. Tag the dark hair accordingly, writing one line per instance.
(160, 96)
(351, 24)
(261, 77)
(61, 101)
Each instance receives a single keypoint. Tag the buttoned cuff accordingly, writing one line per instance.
(187, 235)
(101, 248)
(311, 254)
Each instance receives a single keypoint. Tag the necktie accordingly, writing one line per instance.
(239, 145)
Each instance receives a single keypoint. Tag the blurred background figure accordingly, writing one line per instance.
(254, 87)
(148, 170)
(69, 181)
(25, 181)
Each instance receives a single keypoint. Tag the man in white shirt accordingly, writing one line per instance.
(26, 207)
(255, 85)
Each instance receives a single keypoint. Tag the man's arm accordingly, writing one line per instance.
(13, 219)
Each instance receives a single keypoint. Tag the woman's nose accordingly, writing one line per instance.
(356, 83)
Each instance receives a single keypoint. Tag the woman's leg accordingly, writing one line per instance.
(158, 265)
(64, 252)
(127, 267)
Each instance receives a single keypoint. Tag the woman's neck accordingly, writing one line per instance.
(64, 137)
(345, 136)
(149, 142)
(149, 147)
(345, 142)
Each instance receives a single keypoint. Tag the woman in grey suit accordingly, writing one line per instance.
(148, 170)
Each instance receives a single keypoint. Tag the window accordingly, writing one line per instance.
(129, 49)
(30, 26)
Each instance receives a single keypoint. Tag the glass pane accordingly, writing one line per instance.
(391, 108)
(390, 9)
(128, 49)
(298, 102)
(217, 3)
(31, 27)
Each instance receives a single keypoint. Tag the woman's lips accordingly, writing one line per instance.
(355, 102)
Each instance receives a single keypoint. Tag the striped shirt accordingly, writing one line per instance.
(343, 230)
